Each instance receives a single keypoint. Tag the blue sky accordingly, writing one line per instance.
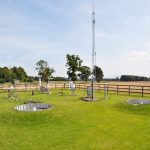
(31, 30)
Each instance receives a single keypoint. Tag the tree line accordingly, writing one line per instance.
(128, 78)
(133, 78)
(75, 71)
(11, 74)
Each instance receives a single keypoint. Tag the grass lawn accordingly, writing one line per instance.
(73, 124)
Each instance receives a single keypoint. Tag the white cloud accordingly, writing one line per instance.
(103, 35)
(147, 19)
(26, 43)
(44, 29)
(137, 56)
(147, 44)
(46, 5)
(134, 62)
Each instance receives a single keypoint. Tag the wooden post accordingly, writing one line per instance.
(117, 89)
(107, 89)
(142, 91)
(64, 85)
(2, 87)
(25, 87)
(55, 85)
(38, 87)
(129, 89)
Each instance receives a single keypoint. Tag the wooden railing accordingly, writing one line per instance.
(117, 88)
(129, 89)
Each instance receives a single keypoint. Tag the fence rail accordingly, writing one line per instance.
(117, 88)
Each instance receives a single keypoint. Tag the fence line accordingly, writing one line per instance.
(130, 89)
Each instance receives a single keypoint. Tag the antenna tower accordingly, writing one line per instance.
(93, 49)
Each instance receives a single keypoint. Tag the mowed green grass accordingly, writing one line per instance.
(73, 124)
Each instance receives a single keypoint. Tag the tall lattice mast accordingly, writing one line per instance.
(93, 49)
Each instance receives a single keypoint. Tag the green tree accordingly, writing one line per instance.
(44, 70)
(133, 78)
(30, 79)
(98, 73)
(47, 73)
(4, 74)
(40, 66)
(18, 73)
(85, 72)
(73, 64)
(21, 74)
(13, 74)
(7, 75)
(59, 79)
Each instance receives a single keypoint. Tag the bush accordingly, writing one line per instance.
(2, 80)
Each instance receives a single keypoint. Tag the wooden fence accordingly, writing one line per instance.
(129, 89)
(117, 88)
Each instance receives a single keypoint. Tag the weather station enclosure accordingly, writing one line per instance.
(89, 91)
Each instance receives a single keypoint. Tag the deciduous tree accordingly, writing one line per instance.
(85, 73)
(73, 64)
(98, 73)
(44, 70)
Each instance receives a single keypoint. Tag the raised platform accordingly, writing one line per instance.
(88, 99)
